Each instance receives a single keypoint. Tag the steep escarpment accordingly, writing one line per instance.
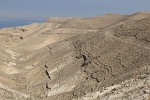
(68, 58)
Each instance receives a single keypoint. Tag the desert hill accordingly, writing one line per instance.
(77, 59)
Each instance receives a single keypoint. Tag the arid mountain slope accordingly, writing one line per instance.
(69, 58)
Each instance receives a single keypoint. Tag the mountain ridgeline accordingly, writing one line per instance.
(68, 58)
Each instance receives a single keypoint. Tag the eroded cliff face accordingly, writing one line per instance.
(68, 58)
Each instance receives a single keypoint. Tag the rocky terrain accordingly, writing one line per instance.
(100, 58)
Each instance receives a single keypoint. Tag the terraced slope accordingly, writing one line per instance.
(68, 58)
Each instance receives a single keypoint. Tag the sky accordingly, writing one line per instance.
(70, 8)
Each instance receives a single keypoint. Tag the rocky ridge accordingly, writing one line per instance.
(75, 58)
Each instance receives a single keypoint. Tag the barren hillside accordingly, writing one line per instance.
(100, 58)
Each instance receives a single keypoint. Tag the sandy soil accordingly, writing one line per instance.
(100, 58)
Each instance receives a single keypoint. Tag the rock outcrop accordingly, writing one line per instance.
(72, 58)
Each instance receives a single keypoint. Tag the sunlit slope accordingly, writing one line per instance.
(67, 58)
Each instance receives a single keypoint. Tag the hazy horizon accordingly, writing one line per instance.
(22, 12)
(70, 8)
